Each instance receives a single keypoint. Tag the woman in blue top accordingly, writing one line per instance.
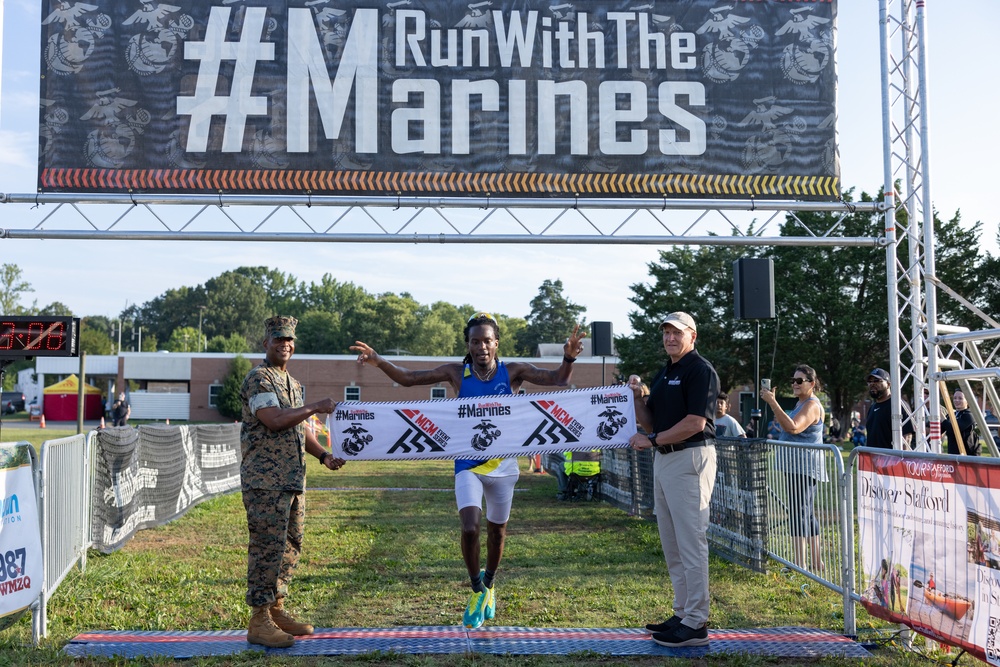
(482, 374)
(803, 468)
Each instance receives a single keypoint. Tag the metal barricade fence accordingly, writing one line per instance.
(780, 500)
(738, 526)
(65, 515)
(804, 507)
(810, 514)
(627, 480)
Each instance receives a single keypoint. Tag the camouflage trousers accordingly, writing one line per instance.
(275, 522)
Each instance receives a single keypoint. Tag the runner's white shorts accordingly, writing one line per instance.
(470, 488)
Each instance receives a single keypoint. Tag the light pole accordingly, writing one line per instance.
(201, 341)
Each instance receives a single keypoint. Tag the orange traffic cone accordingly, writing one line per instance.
(102, 422)
(41, 422)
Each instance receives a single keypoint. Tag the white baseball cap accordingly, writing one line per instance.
(680, 320)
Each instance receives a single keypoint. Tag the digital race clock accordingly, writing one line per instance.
(38, 336)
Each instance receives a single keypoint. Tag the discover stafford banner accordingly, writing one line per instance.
(687, 98)
(930, 546)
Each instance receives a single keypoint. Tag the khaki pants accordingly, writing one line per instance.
(682, 490)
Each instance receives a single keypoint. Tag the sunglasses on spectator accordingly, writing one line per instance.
(800, 380)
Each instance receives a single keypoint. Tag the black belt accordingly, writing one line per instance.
(667, 449)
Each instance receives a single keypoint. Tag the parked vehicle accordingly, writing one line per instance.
(11, 402)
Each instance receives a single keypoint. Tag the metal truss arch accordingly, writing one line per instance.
(925, 352)
(435, 220)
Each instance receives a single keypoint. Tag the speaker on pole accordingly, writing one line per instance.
(753, 289)
(602, 341)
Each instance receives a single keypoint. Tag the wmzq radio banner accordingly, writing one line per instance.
(484, 427)
(930, 547)
(686, 98)
(20, 534)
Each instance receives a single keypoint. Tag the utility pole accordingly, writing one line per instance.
(201, 341)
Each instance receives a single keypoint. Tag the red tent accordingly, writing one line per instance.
(59, 401)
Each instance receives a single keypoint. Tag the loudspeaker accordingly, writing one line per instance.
(602, 341)
(753, 289)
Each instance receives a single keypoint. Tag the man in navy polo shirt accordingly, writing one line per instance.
(678, 417)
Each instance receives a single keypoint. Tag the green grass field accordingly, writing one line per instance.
(382, 558)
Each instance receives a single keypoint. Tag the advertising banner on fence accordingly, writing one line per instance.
(20, 535)
(686, 98)
(930, 547)
(484, 427)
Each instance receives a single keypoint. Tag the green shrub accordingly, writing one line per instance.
(229, 403)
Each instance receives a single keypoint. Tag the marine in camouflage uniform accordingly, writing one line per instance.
(274, 443)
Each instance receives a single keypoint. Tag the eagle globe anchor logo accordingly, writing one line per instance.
(488, 432)
(358, 437)
(613, 421)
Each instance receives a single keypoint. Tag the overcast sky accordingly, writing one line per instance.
(101, 277)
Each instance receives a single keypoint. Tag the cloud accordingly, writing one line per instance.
(19, 155)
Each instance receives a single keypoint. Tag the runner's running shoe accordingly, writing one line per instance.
(476, 609)
(490, 610)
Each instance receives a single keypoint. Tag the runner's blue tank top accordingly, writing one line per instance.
(498, 385)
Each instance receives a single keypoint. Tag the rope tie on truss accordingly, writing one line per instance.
(753, 204)
(309, 199)
(486, 206)
(850, 207)
(131, 196)
(399, 200)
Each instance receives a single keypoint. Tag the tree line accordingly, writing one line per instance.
(831, 309)
(226, 314)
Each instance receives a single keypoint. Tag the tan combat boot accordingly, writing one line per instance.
(286, 622)
(263, 631)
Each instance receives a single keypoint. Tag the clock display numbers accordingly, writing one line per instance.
(38, 336)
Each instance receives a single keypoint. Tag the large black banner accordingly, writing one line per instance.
(503, 97)
(148, 476)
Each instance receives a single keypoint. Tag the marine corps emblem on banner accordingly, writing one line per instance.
(487, 432)
(613, 420)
